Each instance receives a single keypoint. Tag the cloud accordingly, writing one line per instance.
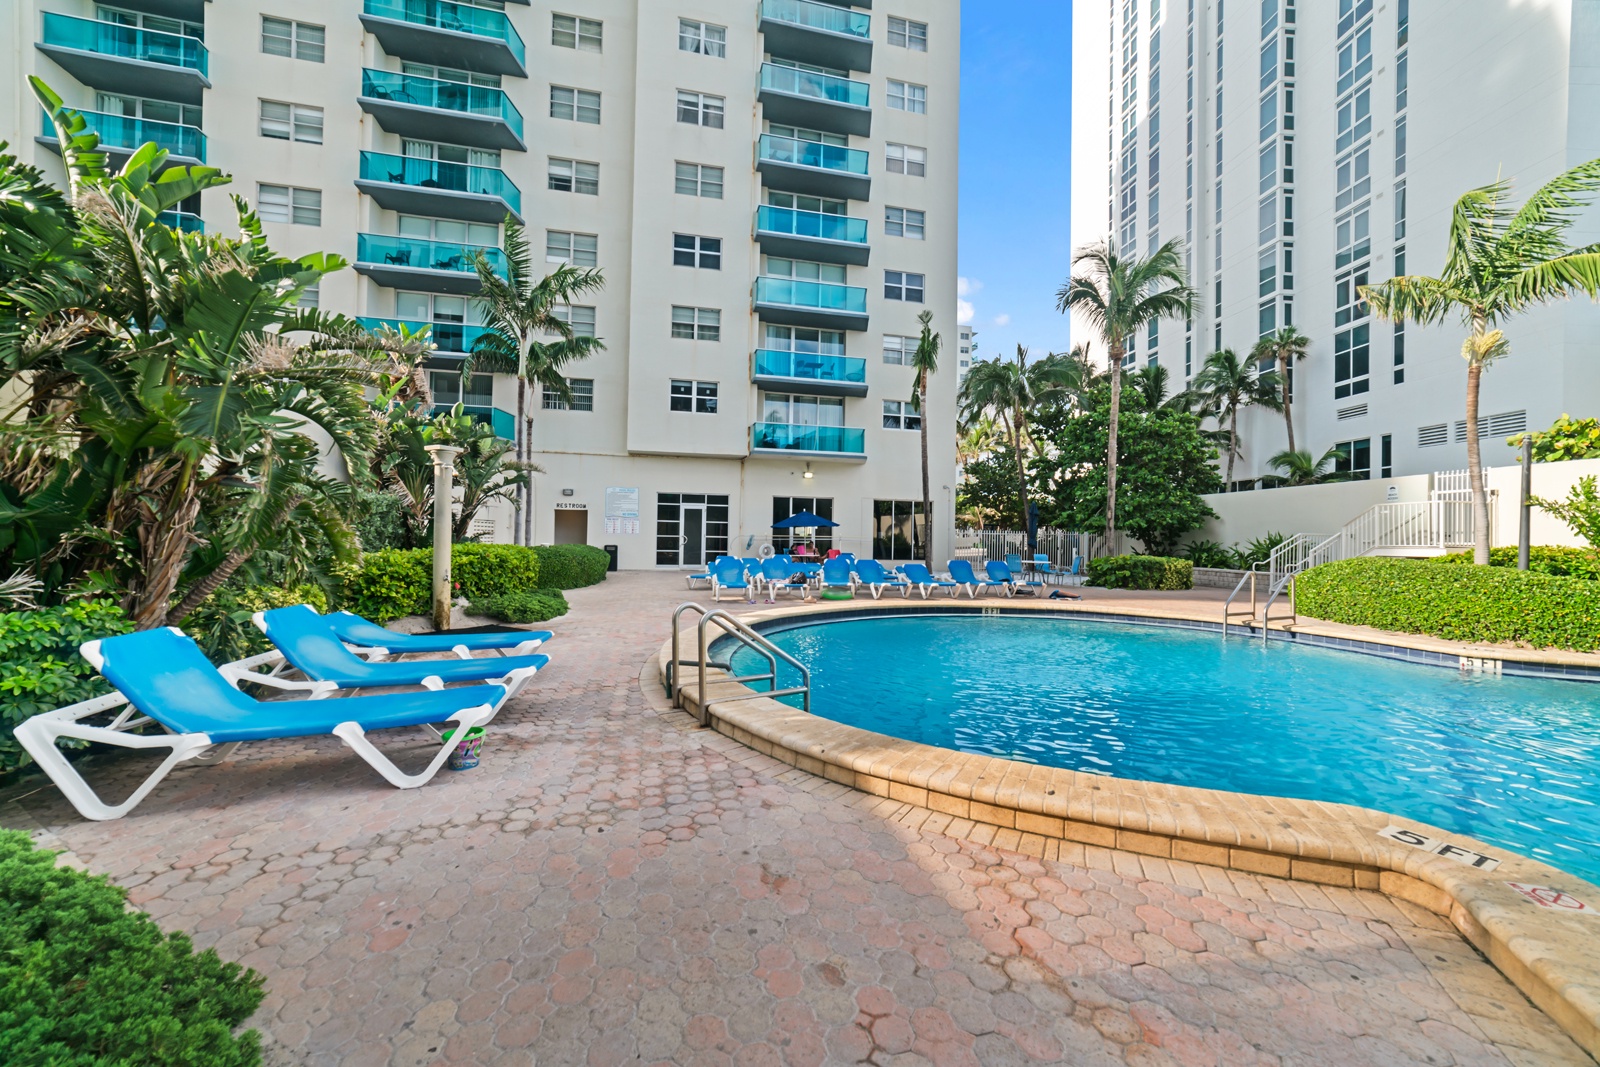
(1002, 320)
(964, 312)
(968, 286)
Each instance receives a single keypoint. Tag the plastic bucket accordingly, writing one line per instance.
(465, 755)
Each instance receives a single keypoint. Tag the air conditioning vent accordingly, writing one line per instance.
(1429, 436)
(1355, 412)
(1508, 423)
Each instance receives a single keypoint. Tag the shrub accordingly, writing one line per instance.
(383, 520)
(1210, 554)
(1580, 511)
(1567, 438)
(40, 669)
(1454, 602)
(1258, 551)
(1141, 572)
(222, 626)
(85, 982)
(534, 605)
(393, 583)
(571, 566)
(1561, 560)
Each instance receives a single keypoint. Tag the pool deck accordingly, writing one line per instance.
(616, 884)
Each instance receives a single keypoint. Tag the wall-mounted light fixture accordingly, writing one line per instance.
(566, 492)
(808, 475)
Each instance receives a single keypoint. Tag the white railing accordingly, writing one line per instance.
(1292, 555)
(1061, 546)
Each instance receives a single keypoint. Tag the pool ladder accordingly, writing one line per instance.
(747, 637)
(1284, 583)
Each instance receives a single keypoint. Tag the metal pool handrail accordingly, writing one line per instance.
(747, 637)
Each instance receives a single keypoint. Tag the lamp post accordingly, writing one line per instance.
(444, 460)
(1524, 518)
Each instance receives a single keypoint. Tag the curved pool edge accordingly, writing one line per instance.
(1552, 956)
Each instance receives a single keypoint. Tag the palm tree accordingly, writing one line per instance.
(1001, 388)
(1285, 347)
(1226, 385)
(1302, 468)
(1498, 263)
(1117, 296)
(926, 363)
(520, 310)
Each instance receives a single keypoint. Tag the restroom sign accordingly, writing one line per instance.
(1439, 848)
(1552, 899)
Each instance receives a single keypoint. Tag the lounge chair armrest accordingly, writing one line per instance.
(372, 654)
(237, 675)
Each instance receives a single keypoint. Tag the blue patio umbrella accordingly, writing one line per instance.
(803, 520)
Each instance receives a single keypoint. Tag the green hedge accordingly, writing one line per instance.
(1559, 560)
(40, 669)
(1480, 604)
(86, 983)
(1141, 572)
(536, 605)
(571, 566)
(393, 582)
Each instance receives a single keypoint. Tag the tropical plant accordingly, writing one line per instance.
(522, 310)
(1499, 262)
(925, 361)
(1285, 347)
(1302, 468)
(1227, 385)
(1580, 511)
(1567, 438)
(485, 471)
(1204, 553)
(1117, 296)
(1014, 392)
(1259, 550)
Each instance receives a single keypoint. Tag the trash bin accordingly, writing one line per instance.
(611, 550)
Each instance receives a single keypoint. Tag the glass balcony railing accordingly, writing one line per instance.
(814, 86)
(182, 220)
(123, 134)
(790, 437)
(778, 149)
(818, 296)
(437, 174)
(814, 16)
(503, 422)
(418, 91)
(810, 367)
(458, 18)
(420, 254)
(448, 336)
(125, 42)
(814, 224)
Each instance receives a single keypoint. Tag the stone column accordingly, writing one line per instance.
(444, 460)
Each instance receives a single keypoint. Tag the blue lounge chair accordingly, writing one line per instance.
(312, 647)
(729, 574)
(836, 575)
(379, 640)
(1014, 561)
(162, 677)
(918, 575)
(1042, 565)
(961, 574)
(1000, 572)
(776, 574)
(701, 581)
(876, 577)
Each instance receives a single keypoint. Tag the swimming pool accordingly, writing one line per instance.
(1510, 760)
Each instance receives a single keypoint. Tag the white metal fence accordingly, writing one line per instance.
(1061, 546)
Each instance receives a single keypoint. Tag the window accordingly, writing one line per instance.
(1386, 456)
(282, 203)
(905, 159)
(1351, 361)
(1354, 458)
(569, 31)
(291, 122)
(449, 231)
(691, 251)
(833, 273)
(696, 324)
(451, 74)
(898, 285)
(898, 349)
(578, 249)
(702, 38)
(904, 96)
(697, 179)
(903, 222)
(139, 107)
(1399, 353)
(903, 33)
(898, 415)
(698, 109)
(578, 316)
(817, 205)
(582, 390)
(296, 40)
(785, 506)
(672, 546)
(576, 105)
(805, 341)
(570, 176)
(697, 397)
(897, 529)
(447, 389)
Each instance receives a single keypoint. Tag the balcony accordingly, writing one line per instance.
(817, 33)
(426, 109)
(817, 101)
(812, 235)
(450, 338)
(808, 372)
(185, 221)
(503, 422)
(123, 59)
(121, 136)
(787, 439)
(447, 34)
(801, 302)
(797, 166)
(443, 190)
(430, 266)
(187, 10)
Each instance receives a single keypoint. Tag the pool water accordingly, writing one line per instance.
(1513, 761)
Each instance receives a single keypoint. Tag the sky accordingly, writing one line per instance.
(1016, 105)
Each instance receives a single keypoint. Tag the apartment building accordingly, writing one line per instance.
(966, 350)
(1302, 148)
(768, 185)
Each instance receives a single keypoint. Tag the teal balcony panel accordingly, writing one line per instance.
(127, 60)
(431, 266)
(449, 337)
(797, 166)
(503, 422)
(815, 101)
(812, 235)
(121, 136)
(447, 34)
(787, 439)
(823, 34)
(801, 302)
(427, 109)
(182, 220)
(808, 372)
(439, 189)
